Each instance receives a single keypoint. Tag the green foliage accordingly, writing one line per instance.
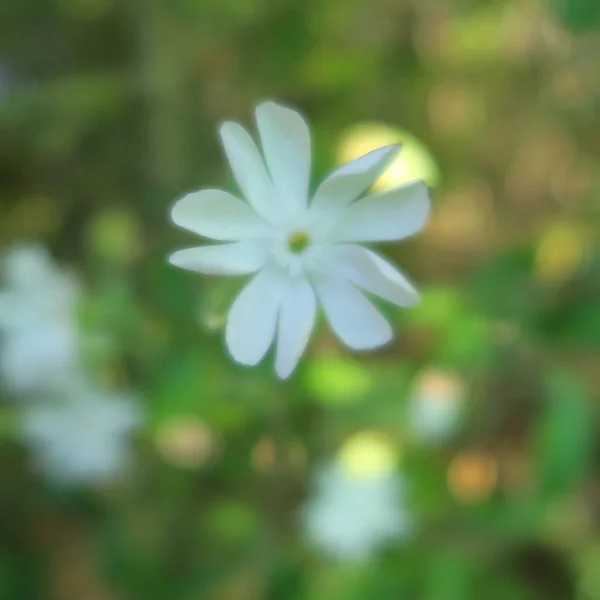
(109, 112)
(577, 15)
(338, 380)
(565, 434)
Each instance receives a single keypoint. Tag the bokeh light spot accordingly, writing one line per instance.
(436, 404)
(368, 454)
(445, 386)
(264, 455)
(472, 476)
(185, 442)
(115, 236)
(561, 251)
(414, 161)
(337, 380)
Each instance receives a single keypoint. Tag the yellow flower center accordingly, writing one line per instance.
(298, 242)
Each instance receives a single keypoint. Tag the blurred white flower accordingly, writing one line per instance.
(300, 250)
(39, 337)
(351, 517)
(83, 436)
(436, 405)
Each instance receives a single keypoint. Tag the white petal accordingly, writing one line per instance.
(391, 215)
(351, 315)
(365, 269)
(8, 310)
(218, 215)
(296, 322)
(285, 140)
(239, 258)
(253, 317)
(349, 181)
(249, 168)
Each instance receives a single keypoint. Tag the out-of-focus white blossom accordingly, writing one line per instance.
(39, 337)
(436, 405)
(351, 518)
(82, 436)
(358, 506)
(76, 430)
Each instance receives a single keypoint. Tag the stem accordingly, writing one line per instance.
(162, 77)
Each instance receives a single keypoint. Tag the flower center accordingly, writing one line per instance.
(298, 242)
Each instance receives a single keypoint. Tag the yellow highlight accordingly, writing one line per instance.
(562, 250)
(439, 387)
(186, 442)
(414, 160)
(472, 476)
(368, 454)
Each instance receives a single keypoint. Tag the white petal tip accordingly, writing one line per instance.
(178, 208)
(244, 360)
(390, 149)
(172, 259)
(283, 375)
(267, 104)
(180, 260)
(413, 301)
(376, 345)
(270, 106)
(425, 188)
(393, 150)
(240, 357)
(427, 202)
(228, 126)
(173, 210)
(285, 371)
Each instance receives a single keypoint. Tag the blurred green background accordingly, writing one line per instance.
(482, 416)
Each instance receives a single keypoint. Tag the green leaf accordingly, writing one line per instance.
(336, 380)
(564, 436)
(578, 16)
(449, 576)
(510, 270)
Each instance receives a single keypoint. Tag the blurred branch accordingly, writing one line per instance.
(161, 73)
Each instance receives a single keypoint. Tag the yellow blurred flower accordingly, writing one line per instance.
(472, 476)
(414, 162)
(368, 454)
(562, 250)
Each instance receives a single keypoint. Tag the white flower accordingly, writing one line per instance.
(40, 339)
(82, 437)
(352, 517)
(436, 405)
(300, 250)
